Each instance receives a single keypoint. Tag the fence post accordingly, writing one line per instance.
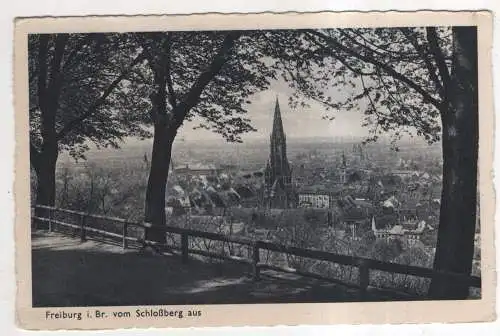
(50, 220)
(82, 228)
(185, 247)
(124, 241)
(34, 222)
(364, 278)
(256, 260)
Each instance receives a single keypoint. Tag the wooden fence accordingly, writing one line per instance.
(45, 214)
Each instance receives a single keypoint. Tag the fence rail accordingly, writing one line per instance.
(364, 265)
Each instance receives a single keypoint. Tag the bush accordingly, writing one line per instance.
(110, 191)
(429, 238)
(415, 256)
(386, 250)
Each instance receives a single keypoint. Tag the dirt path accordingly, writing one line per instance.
(69, 273)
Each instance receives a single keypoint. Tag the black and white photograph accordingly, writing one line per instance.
(253, 166)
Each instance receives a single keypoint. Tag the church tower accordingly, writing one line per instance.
(343, 167)
(278, 174)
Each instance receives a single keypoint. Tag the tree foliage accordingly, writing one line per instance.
(390, 74)
(85, 82)
(185, 60)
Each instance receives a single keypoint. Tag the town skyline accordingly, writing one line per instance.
(308, 125)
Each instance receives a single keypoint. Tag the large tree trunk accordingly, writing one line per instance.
(455, 245)
(49, 89)
(157, 181)
(167, 124)
(45, 169)
(46, 180)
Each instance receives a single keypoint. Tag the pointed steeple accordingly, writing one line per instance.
(343, 175)
(278, 171)
(277, 122)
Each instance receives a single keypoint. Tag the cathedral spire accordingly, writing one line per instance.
(277, 122)
(278, 177)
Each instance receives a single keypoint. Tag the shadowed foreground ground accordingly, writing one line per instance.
(69, 273)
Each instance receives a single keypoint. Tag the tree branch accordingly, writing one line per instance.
(42, 69)
(402, 55)
(399, 100)
(365, 90)
(75, 122)
(145, 50)
(192, 97)
(436, 51)
(389, 70)
(75, 51)
(48, 90)
(340, 59)
(425, 56)
(55, 67)
(172, 97)
(160, 66)
(34, 156)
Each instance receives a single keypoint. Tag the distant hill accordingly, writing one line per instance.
(252, 153)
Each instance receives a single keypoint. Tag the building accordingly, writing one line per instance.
(197, 169)
(355, 215)
(405, 174)
(408, 232)
(342, 172)
(314, 200)
(278, 173)
(318, 196)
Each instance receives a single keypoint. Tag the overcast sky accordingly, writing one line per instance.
(298, 123)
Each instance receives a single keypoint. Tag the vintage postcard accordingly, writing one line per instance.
(254, 169)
